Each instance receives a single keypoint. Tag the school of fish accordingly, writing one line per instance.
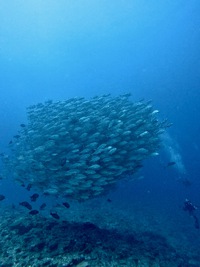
(80, 148)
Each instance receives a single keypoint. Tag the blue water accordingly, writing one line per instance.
(61, 49)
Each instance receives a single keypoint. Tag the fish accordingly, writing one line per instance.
(196, 222)
(16, 136)
(62, 162)
(42, 207)
(55, 215)
(29, 187)
(80, 148)
(170, 163)
(66, 204)
(33, 212)
(34, 197)
(2, 197)
(26, 205)
(184, 181)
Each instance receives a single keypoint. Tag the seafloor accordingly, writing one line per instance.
(96, 233)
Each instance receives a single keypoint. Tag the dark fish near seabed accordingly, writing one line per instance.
(34, 197)
(66, 204)
(22, 125)
(2, 197)
(33, 212)
(16, 136)
(196, 222)
(29, 187)
(169, 164)
(184, 181)
(62, 162)
(55, 215)
(42, 207)
(26, 205)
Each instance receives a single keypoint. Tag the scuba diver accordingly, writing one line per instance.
(188, 206)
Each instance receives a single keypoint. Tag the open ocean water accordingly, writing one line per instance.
(56, 50)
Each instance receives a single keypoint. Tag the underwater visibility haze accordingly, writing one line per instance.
(99, 147)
